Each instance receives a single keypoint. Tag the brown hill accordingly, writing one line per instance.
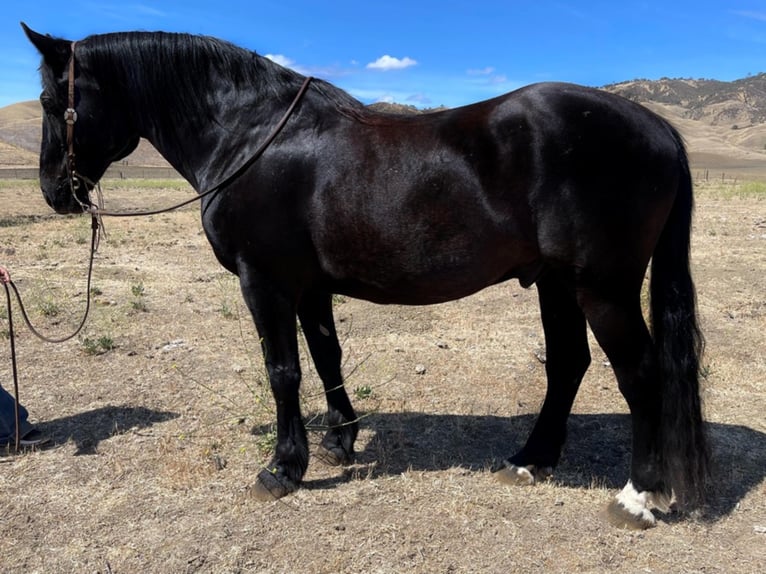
(20, 133)
(724, 123)
(736, 104)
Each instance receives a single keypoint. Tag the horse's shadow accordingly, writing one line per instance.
(89, 428)
(597, 451)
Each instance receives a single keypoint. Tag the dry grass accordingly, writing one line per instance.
(159, 438)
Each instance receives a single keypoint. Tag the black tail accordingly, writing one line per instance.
(678, 342)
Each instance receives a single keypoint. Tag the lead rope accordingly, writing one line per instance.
(12, 336)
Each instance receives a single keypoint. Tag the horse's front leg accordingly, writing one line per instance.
(315, 313)
(274, 312)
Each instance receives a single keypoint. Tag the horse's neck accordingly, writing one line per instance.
(211, 141)
(203, 146)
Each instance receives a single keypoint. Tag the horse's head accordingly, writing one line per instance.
(83, 130)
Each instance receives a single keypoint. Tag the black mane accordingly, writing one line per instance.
(176, 66)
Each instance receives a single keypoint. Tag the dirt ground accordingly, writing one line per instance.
(162, 418)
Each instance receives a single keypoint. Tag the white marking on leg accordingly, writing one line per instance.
(525, 474)
(636, 503)
(324, 330)
(516, 475)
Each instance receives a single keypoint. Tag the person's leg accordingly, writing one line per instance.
(8, 418)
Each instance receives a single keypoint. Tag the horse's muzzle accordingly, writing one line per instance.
(62, 199)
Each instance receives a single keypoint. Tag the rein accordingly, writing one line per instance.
(96, 211)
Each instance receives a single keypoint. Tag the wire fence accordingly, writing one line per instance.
(150, 172)
(114, 172)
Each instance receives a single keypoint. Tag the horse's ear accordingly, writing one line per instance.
(55, 52)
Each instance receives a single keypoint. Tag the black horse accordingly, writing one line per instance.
(565, 187)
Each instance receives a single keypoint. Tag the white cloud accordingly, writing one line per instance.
(481, 72)
(753, 15)
(124, 12)
(419, 98)
(324, 72)
(280, 59)
(387, 62)
(148, 10)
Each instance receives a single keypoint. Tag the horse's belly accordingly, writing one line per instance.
(439, 278)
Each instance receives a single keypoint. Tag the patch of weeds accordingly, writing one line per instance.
(98, 346)
(267, 442)
(228, 307)
(106, 343)
(752, 189)
(177, 184)
(49, 309)
(31, 184)
(138, 303)
(17, 220)
(743, 190)
(227, 312)
(363, 392)
(338, 299)
(213, 455)
(95, 291)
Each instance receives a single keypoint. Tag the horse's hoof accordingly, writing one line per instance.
(271, 486)
(333, 457)
(522, 475)
(629, 509)
(622, 517)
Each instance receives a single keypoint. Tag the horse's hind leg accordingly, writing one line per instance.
(619, 327)
(567, 359)
(315, 313)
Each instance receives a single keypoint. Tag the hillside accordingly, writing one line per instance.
(723, 123)
(20, 134)
(736, 104)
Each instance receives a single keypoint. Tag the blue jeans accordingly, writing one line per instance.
(8, 418)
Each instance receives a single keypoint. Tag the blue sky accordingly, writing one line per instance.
(426, 53)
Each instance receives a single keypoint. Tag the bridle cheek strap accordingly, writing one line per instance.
(70, 117)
